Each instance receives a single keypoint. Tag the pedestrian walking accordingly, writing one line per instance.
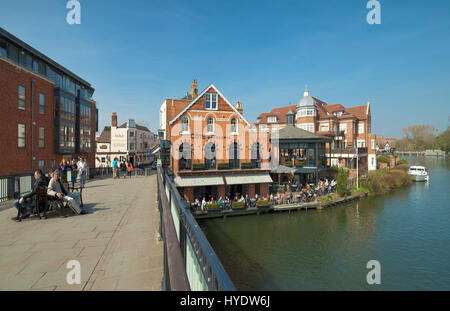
(129, 168)
(123, 168)
(73, 172)
(82, 170)
(115, 168)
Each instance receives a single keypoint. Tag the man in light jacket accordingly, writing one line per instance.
(57, 189)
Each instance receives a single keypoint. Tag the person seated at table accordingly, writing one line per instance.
(26, 199)
(204, 204)
(57, 189)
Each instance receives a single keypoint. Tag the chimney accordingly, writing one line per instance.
(114, 120)
(194, 89)
(239, 108)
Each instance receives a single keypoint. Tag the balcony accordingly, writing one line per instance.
(347, 151)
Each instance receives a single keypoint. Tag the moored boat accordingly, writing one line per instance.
(418, 173)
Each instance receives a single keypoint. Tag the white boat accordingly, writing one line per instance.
(418, 173)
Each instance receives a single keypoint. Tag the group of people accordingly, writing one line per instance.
(77, 167)
(225, 203)
(307, 194)
(123, 167)
(55, 189)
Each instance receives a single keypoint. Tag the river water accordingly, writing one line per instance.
(407, 231)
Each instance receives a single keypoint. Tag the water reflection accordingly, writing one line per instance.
(328, 249)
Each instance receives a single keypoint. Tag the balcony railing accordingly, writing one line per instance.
(361, 150)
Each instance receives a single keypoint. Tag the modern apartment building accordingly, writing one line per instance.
(348, 127)
(128, 141)
(46, 111)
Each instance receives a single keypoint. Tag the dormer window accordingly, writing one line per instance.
(272, 119)
(337, 113)
(211, 101)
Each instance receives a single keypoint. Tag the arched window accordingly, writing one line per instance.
(184, 124)
(234, 126)
(234, 155)
(185, 156)
(210, 125)
(210, 156)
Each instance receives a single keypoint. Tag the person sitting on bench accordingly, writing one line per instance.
(26, 199)
(57, 189)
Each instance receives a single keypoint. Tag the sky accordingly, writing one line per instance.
(261, 53)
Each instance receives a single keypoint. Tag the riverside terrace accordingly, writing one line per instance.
(138, 235)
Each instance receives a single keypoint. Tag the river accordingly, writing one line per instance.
(407, 231)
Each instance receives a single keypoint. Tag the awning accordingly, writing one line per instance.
(281, 169)
(156, 150)
(196, 181)
(307, 170)
(248, 179)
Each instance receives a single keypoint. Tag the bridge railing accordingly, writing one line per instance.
(190, 262)
(13, 186)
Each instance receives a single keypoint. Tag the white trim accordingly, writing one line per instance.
(199, 96)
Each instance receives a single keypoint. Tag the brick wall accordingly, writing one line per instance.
(18, 160)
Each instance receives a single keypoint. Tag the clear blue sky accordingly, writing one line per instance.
(262, 53)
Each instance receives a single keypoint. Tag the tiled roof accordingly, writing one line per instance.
(381, 141)
(105, 137)
(292, 132)
(139, 127)
(280, 112)
(358, 111)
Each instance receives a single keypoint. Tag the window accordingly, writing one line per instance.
(373, 161)
(21, 136)
(234, 127)
(372, 143)
(361, 143)
(52, 164)
(3, 49)
(324, 127)
(211, 101)
(103, 160)
(13, 53)
(22, 97)
(272, 119)
(307, 127)
(185, 125)
(41, 137)
(343, 128)
(131, 146)
(131, 134)
(307, 112)
(210, 125)
(41, 103)
(344, 144)
(42, 165)
(361, 128)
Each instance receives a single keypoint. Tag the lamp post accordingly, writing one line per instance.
(357, 170)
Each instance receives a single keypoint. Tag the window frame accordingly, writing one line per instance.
(360, 126)
(236, 129)
(209, 99)
(183, 124)
(19, 138)
(41, 104)
(24, 97)
(207, 125)
(42, 139)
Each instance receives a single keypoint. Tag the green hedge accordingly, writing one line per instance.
(237, 204)
(262, 203)
(402, 161)
(223, 166)
(383, 159)
(246, 165)
(199, 165)
(212, 206)
(342, 183)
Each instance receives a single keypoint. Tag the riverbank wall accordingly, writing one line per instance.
(276, 208)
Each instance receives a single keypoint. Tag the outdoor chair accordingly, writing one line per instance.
(34, 206)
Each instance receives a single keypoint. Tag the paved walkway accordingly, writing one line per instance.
(116, 243)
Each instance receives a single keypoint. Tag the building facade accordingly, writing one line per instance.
(214, 151)
(129, 142)
(349, 129)
(47, 112)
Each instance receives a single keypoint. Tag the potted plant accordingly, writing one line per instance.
(223, 166)
(237, 205)
(262, 204)
(246, 165)
(199, 166)
(213, 207)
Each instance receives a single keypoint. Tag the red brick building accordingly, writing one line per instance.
(349, 128)
(215, 152)
(47, 112)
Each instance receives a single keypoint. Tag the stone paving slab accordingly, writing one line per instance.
(116, 243)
